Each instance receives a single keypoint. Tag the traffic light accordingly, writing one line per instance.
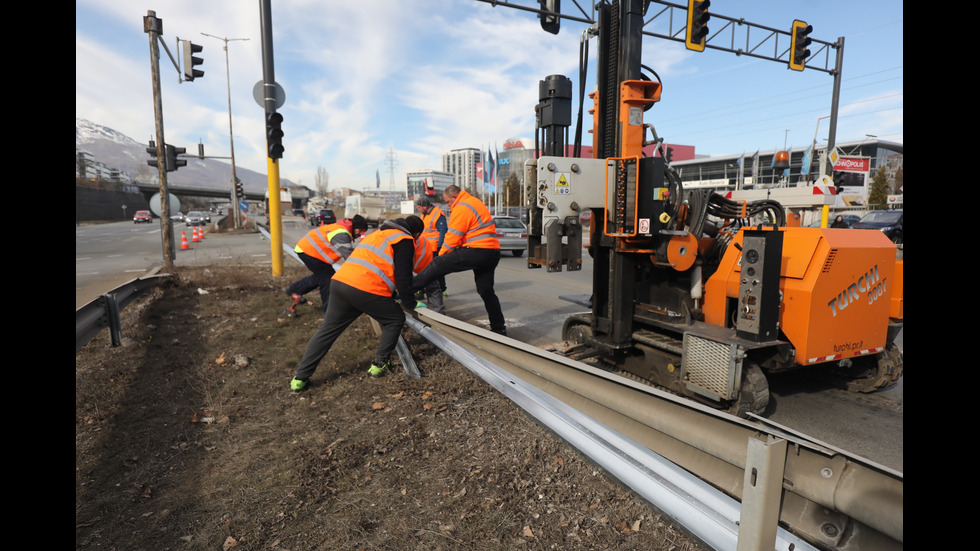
(550, 23)
(173, 163)
(152, 150)
(799, 48)
(697, 24)
(190, 62)
(239, 190)
(273, 134)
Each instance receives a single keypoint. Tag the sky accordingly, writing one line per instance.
(377, 88)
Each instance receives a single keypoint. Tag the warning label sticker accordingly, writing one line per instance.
(561, 185)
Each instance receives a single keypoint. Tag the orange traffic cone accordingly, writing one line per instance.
(194, 237)
(200, 233)
(183, 240)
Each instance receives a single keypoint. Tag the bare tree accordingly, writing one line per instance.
(322, 181)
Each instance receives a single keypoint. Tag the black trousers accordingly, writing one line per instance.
(346, 305)
(483, 262)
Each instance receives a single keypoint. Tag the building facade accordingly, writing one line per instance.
(853, 171)
(430, 183)
(461, 163)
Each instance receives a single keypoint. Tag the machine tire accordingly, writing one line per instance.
(517, 253)
(877, 372)
(577, 329)
(753, 396)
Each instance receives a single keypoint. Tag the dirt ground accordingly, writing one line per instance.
(187, 438)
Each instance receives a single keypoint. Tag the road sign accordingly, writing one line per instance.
(243, 206)
(278, 94)
(157, 208)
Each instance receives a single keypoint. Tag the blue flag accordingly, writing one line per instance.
(490, 172)
(807, 161)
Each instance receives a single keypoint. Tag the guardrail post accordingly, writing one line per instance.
(112, 318)
(762, 490)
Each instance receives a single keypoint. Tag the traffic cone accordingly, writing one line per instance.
(200, 233)
(183, 240)
(194, 237)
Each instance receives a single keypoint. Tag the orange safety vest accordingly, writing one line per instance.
(317, 243)
(470, 225)
(423, 254)
(371, 267)
(431, 233)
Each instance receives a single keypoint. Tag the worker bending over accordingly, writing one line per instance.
(322, 250)
(382, 263)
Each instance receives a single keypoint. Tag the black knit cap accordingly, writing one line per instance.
(414, 224)
(359, 223)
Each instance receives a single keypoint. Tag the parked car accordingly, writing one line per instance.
(299, 212)
(512, 234)
(142, 216)
(888, 221)
(323, 216)
(197, 218)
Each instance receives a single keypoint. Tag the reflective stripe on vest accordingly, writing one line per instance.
(320, 245)
(483, 235)
(370, 267)
(431, 233)
(423, 255)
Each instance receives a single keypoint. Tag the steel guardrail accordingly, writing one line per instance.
(103, 312)
(824, 495)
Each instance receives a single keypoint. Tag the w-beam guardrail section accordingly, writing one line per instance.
(754, 485)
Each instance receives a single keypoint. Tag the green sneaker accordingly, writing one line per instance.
(420, 304)
(445, 293)
(379, 371)
(298, 385)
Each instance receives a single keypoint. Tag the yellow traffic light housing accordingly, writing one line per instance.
(697, 24)
(799, 45)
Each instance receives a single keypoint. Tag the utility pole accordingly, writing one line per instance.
(154, 27)
(236, 213)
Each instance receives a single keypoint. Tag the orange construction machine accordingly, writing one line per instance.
(692, 291)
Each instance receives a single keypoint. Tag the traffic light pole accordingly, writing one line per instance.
(154, 27)
(269, 79)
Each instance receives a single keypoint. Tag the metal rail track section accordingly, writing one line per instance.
(733, 484)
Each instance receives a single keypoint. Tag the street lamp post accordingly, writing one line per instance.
(237, 216)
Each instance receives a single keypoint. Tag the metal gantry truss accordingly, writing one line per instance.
(735, 35)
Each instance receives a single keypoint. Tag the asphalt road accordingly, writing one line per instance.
(869, 425)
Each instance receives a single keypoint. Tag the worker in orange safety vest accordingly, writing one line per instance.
(322, 250)
(381, 264)
(434, 234)
(470, 244)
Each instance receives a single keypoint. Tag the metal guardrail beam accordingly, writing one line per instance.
(704, 512)
(828, 497)
(103, 312)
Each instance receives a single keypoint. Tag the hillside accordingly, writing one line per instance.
(117, 150)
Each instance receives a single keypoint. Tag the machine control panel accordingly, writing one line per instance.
(758, 293)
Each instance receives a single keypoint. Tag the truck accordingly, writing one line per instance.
(285, 202)
(371, 208)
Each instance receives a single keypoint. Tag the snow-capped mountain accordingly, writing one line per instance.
(116, 150)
